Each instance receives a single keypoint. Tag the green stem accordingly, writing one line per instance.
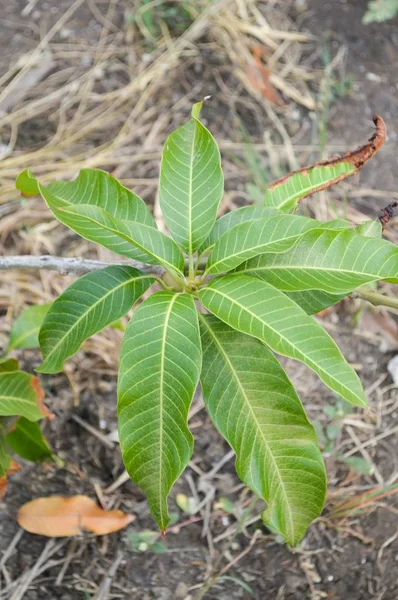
(162, 283)
(191, 268)
(377, 299)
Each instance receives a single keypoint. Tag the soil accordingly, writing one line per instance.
(353, 559)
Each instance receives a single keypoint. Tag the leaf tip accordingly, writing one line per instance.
(379, 137)
(45, 369)
(27, 184)
(195, 112)
(39, 393)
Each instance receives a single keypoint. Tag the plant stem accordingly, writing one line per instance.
(377, 299)
(191, 268)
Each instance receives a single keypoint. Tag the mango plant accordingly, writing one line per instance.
(227, 295)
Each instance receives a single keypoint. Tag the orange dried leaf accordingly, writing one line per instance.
(14, 467)
(259, 77)
(3, 487)
(56, 516)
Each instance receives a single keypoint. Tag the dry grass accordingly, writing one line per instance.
(110, 101)
(111, 105)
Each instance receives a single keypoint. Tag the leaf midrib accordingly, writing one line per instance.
(26, 334)
(18, 399)
(251, 248)
(247, 310)
(190, 189)
(163, 504)
(308, 268)
(92, 307)
(226, 357)
(28, 434)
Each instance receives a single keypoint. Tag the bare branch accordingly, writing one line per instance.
(79, 266)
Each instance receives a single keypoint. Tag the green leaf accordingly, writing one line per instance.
(331, 261)
(257, 308)
(255, 407)
(5, 458)
(285, 193)
(370, 229)
(235, 217)
(27, 183)
(8, 364)
(191, 183)
(100, 190)
(25, 329)
(159, 370)
(21, 395)
(96, 188)
(84, 308)
(123, 237)
(27, 440)
(258, 236)
(313, 301)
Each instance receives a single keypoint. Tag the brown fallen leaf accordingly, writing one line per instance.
(259, 77)
(3, 487)
(56, 516)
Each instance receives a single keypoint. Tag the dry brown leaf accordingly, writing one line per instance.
(3, 487)
(56, 516)
(259, 76)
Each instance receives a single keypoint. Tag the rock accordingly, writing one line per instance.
(392, 368)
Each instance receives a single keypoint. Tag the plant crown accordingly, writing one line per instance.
(227, 294)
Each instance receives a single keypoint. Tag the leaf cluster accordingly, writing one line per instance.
(234, 292)
(21, 399)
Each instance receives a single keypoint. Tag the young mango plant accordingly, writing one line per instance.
(233, 292)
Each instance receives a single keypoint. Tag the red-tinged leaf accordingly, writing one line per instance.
(285, 193)
(259, 77)
(13, 468)
(26, 183)
(3, 487)
(22, 395)
(56, 516)
(40, 395)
